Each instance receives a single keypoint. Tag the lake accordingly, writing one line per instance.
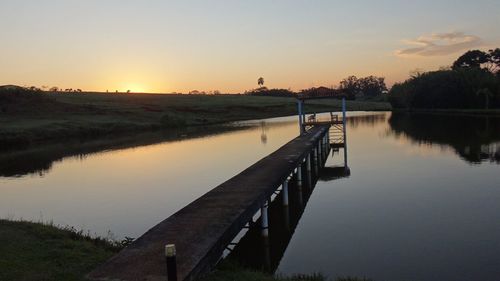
(422, 201)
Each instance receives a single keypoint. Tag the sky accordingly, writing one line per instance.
(226, 45)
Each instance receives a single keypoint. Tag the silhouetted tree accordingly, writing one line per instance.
(260, 81)
(494, 60)
(471, 59)
(372, 86)
(471, 83)
(350, 85)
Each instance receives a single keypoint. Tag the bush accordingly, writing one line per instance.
(461, 88)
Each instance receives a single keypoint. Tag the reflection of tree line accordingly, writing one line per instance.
(372, 119)
(474, 138)
(39, 160)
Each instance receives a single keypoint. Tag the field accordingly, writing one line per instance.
(87, 115)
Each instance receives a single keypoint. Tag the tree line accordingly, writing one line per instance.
(351, 88)
(472, 82)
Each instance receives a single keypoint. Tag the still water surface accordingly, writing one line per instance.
(422, 201)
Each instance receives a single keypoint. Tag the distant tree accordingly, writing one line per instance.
(260, 82)
(472, 82)
(128, 91)
(471, 59)
(494, 60)
(349, 85)
(372, 86)
(34, 89)
(54, 89)
(79, 90)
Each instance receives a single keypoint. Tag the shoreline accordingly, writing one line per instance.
(451, 111)
(88, 116)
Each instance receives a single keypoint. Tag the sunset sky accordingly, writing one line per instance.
(166, 46)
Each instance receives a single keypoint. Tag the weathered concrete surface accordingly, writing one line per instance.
(202, 229)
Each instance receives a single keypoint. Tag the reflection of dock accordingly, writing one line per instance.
(334, 173)
(265, 252)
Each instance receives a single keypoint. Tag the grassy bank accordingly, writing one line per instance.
(88, 115)
(33, 251)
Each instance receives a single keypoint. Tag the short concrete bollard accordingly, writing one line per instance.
(170, 256)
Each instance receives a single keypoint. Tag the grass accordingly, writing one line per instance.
(36, 251)
(31, 251)
(61, 116)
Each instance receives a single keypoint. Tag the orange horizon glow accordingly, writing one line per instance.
(181, 46)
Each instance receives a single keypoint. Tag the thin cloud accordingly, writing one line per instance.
(439, 44)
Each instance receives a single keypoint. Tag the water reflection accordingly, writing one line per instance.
(39, 160)
(475, 139)
(368, 119)
(265, 252)
(263, 134)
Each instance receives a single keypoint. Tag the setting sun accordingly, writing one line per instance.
(135, 88)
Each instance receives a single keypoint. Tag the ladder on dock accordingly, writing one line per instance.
(336, 132)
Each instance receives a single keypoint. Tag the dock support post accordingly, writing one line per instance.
(308, 163)
(285, 193)
(320, 150)
(170, 256)
(264, 219)
(299, 175)
(315, 154)
(325, 144)
(344, 122)
(299, 108)
(324, 147)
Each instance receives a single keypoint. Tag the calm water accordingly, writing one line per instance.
(422, 201)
